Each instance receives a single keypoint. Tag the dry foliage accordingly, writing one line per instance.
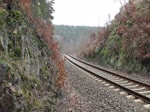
(125, 39)
(45, 31)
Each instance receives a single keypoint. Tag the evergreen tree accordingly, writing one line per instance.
(43, 9)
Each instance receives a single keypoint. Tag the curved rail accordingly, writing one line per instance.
(113, 82)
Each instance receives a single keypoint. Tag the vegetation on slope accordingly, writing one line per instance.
(30, 64)
(70, 36)
(125, 42)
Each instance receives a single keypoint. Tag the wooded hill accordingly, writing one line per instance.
(70, 37)
(124, 44)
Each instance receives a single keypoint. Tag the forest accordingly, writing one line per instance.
(70, 38)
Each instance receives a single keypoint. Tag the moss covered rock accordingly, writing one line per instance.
(26, 82)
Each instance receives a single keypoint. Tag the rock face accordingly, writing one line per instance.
(26, 83)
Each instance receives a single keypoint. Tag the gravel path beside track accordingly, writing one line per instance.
(84, 94)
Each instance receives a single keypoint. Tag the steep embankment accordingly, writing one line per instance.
(28, 70)
(125, 43)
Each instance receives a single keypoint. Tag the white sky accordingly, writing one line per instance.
(85, 12)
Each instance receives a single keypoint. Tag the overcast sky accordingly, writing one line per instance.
(85, 12)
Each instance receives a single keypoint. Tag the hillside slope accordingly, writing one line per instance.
(125, 43)
(29, 71)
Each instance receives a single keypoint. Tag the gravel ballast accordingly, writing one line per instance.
(145, 78)
(83, 93)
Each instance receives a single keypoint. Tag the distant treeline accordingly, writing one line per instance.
(74, 32)
(70, 37)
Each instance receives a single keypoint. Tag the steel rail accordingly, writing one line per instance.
(111, 72)
(130, 91)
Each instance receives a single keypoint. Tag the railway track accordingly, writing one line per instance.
(132, 89)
